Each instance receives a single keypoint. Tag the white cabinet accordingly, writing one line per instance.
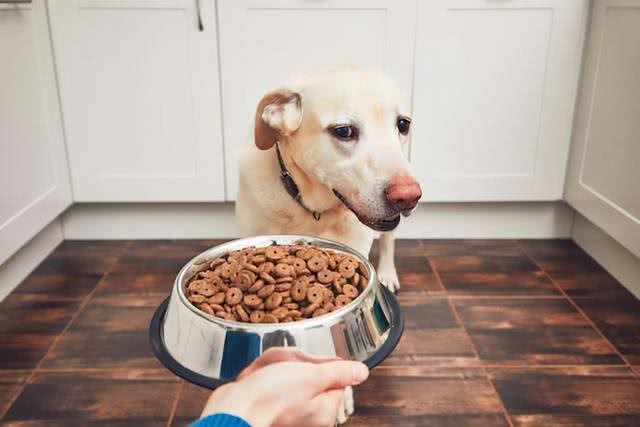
(34, 183)
(494, 91)
(140, 96)
(604, 176)
(263, 42)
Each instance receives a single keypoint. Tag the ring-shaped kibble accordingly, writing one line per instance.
(363, 270)
(258, 259)
(341, 301)
(251, 267)
(196, 298)
(350, 291)
(206, 308)
(289, 260)
(275, 253)
(308, 310)
(256, 286)
(307, 254)
(245, 281)
(288, 279)
(226, 270)
(217, 298)
(256, 316)
(193, 286)
(355, 279)
(241, 313)
(329, 307)
(295, 314)
(233, 296)
(337, 287)
(269, 318)
(364, 282)
(216, 307)
(315, 294)
(299, 291)
(347, 269)
(223, 315)
(280, 312)
(317, 263)
(216, 281)
(252, 301)
(283, 287)
(350, 260)
(216, 262)
(328, 296)
(266, 267)
(283, 270)
(325, 276)
(267, 278)
(274, 301)
(266, 291)
(299, 264)
(207, 289)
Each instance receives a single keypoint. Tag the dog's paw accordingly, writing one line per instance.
(346, 407)
(389, 278)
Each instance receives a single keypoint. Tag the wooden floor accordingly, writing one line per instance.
(498, 333)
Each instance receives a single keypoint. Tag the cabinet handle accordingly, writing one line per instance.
(199, 13)
(15, 1)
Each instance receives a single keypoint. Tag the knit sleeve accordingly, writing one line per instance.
(220, 420)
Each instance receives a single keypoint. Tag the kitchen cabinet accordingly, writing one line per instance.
(140, 96)
(264, 42)
(34, 183)
(603, 183)
(494, 93)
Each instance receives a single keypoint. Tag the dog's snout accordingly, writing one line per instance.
(403, 193)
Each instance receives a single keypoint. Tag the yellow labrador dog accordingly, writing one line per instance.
(326, 160)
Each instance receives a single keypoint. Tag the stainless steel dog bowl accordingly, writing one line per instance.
(210, 351)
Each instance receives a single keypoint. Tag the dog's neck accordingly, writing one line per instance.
(314, 196)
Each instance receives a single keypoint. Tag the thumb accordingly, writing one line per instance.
(336, 375)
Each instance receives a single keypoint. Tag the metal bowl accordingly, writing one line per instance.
(210, 351)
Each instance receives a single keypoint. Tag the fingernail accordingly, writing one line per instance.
(360, 372)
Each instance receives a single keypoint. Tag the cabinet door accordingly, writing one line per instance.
(140, 97)
(264, 42)
(34, 183)
(495, 86)
(604, 178)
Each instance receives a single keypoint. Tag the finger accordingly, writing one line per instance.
(340, 374)
(282, 354)
(323, 409)
(307, 379)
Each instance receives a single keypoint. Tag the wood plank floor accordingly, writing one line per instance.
(498, 333)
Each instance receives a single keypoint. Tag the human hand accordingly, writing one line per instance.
(285, 388)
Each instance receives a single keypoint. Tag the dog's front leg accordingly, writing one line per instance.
(387, 273)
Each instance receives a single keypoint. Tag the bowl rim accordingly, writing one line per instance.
(265, 240)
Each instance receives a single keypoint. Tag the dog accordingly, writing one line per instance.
(326, 159)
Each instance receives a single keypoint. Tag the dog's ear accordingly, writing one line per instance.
(279, 114)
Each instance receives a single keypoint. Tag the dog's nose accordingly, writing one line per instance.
(403, 193)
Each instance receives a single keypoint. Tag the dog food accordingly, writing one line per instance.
(279, 283)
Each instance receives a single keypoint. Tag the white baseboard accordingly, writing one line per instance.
(616, 259)
(216, 220)
(20, 264)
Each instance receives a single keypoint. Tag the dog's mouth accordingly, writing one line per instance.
(381, 224)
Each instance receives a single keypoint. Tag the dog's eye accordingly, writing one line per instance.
(345, 133)
(403, 125)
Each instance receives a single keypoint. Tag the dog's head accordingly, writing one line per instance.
(346, 130)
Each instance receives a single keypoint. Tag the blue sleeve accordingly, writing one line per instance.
(220, 420)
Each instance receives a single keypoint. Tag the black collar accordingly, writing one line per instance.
(291, 186)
